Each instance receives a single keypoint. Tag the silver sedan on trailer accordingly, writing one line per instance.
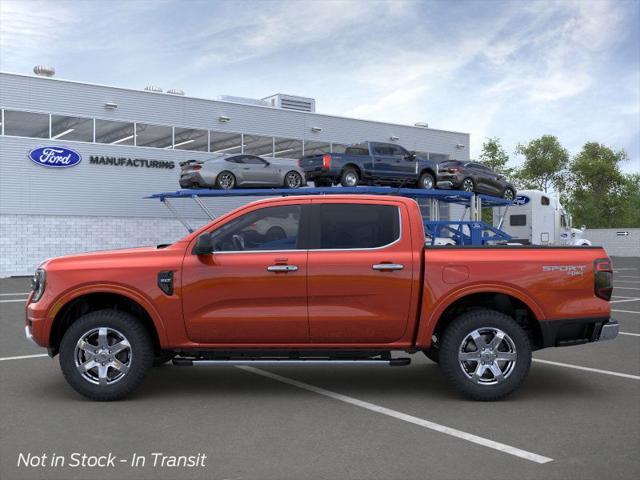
(231, 171)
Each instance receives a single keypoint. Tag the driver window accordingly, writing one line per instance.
(271, 228)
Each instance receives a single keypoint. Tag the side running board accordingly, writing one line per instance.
(394, 362)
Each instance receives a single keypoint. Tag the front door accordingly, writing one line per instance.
(359, 272)
(253, 289)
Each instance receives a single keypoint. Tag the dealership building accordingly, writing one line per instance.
(129, 144)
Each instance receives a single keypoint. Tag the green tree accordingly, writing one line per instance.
(599, 194)
(544, 165)
(494, 156)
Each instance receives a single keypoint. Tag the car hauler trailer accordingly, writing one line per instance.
(438, 232)
(537, 218)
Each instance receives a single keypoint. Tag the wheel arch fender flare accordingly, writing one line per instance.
(430, 318)
(138, 298)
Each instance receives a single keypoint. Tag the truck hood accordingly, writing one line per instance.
(123, 257)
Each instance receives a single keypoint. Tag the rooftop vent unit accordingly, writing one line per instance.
(421, 124)
(175, 91)
(244, 100)
(153, 88)
(44, 71)
(291, 102)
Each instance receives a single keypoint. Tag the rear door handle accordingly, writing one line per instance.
(282, 268)
(387, 266)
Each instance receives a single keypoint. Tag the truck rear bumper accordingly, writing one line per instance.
(576, 331)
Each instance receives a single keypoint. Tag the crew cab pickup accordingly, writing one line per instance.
(370, 163)
(349, 282)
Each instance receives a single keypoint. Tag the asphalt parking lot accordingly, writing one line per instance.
(577, 415)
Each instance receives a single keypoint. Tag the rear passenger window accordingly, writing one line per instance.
(345, 226)
(518, 220)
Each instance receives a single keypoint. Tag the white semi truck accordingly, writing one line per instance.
(537, 218)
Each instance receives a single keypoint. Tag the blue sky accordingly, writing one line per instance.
(515, 70)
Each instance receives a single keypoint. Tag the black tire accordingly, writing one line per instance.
(432, 354)
(322, 182)
(347, 177)
(515, 343)
(468, 185)
(225, 180)
(509, 194)
(293, 180)
(139, 355)
(427, 181)
(162, 358)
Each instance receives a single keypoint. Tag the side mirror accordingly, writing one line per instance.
(204, 245)
(411, 156)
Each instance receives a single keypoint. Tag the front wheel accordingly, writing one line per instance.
(293, 179)
(509, 194)
(485, 354)
(468, 185)
(105, 355)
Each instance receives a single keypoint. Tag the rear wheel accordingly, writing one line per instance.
(485, 354)
(426, 181)
(106, 354)
(468, 185)
(293, 179)
(225, 180)
(349, 178)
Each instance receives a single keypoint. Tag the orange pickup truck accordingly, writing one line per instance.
(336, 280)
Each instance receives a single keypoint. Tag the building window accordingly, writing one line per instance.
(191, 139)
(287, 148)
(156, 136)
(71, 128)
(26, 124)
(316, 148)
(258, 145)
(115, 133)
(227, 143)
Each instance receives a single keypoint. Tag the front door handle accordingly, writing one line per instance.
(387, 266)
(282, 268)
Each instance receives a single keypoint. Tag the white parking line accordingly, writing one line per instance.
(587, 369)
(22, 357)
(485, 442)
(626, 288)
(627, 281)
(630, 334)
(625, 311)
(627, 276)
(625, 300)
(13, 294)
(23, 300)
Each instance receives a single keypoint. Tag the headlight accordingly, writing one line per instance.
(38, 283)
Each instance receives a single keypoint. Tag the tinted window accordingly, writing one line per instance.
(271, 228)
(397, 151)
(357, 226)
(544, 200)
(115, 133)
(357, 149)
(450, 163)
(238, 159)
(383, 150)
(252, 160)
(518, 220)
(26, 124)
(72, 128)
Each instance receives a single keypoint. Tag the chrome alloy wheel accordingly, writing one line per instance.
(508, 194)
(293, 180)
(226, 181)
(427, 182)
(487, 356)
(103, 356)
(351, 179)
(467, 185)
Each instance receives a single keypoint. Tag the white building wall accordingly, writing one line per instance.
(615, 242)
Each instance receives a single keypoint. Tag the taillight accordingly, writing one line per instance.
(603, 278)
(453, 170)
(196, 167)
(326, 161)
(299, 162)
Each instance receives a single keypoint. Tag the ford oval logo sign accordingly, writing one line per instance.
(521, 200)
(55, 157)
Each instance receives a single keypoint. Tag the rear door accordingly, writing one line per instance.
(360, 271)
